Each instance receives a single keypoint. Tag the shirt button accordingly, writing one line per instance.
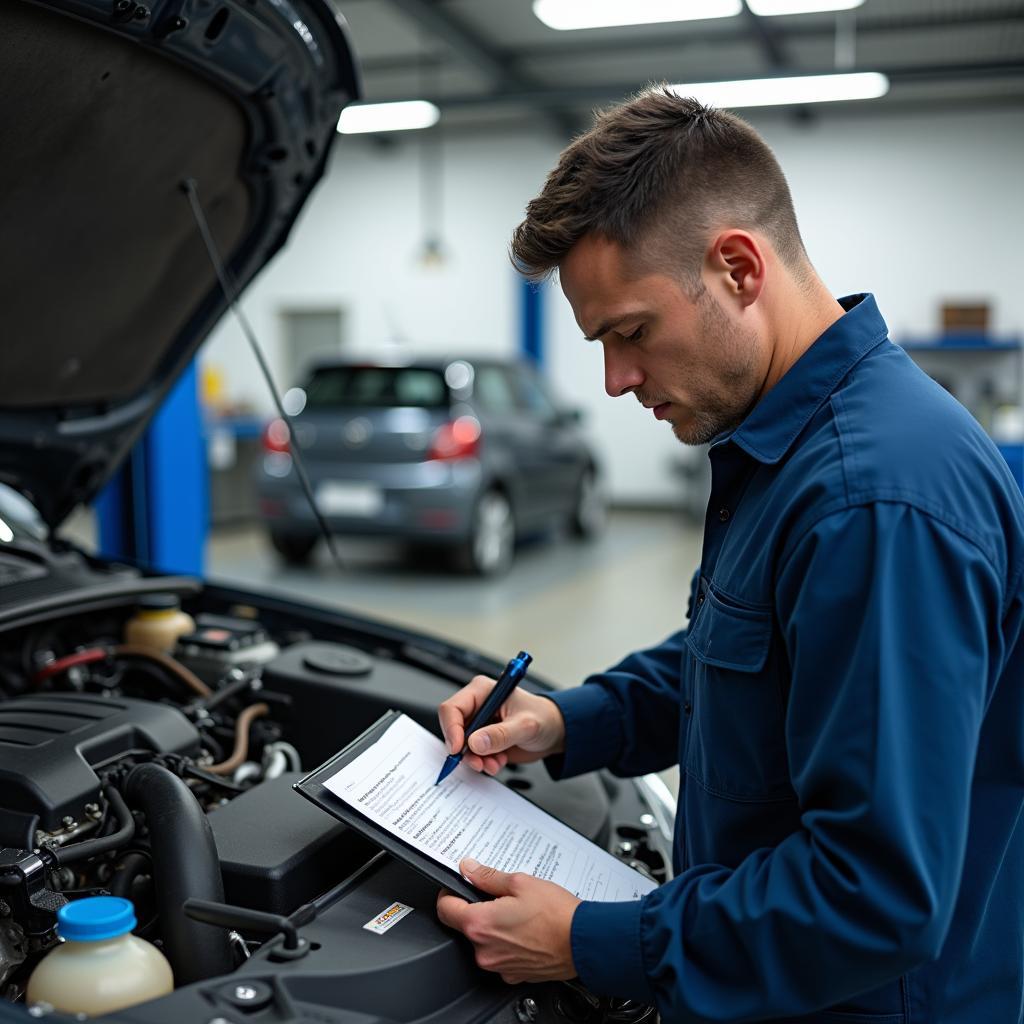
(700, 599)
(688, 707)
(723, 515)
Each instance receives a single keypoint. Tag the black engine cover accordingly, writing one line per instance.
(277, 851)
(49, 744)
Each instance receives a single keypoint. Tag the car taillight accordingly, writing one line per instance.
(275, 437)
(459, 439)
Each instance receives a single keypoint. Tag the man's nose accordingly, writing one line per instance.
(621, 374)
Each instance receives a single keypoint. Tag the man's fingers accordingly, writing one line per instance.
(490, 765)
(458, 710)
(491, 880)
(451, 909)
(451, 726)
(519, 730)
(492, 739)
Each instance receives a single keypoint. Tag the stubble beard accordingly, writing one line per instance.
(725, 402)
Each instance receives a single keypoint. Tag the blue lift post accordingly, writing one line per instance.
(531, 321)
(155, 510)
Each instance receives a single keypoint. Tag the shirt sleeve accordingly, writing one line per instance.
(625, 719)
(890, 620)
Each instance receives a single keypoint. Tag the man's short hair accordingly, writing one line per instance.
(657, 175)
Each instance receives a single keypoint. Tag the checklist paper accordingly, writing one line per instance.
(473, 815)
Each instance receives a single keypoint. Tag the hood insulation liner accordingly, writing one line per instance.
(104, 266)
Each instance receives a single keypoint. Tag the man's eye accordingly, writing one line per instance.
(635, 336)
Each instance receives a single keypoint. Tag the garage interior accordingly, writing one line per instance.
(402, 253)
(293, 453)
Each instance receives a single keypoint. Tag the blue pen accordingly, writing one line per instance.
(515, 672)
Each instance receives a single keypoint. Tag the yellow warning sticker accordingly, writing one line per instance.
(388, 918)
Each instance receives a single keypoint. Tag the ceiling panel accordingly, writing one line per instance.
(498, 46)
(634, 69)
(378, 30)
(967, 43)
(453, 79)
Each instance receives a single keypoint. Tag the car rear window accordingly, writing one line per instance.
(376, 386)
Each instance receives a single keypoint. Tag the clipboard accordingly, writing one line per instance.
(312, 788)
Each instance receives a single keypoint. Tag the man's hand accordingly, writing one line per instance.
(529, 727)
(524, 934)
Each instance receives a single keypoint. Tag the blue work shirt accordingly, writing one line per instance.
(847, 710)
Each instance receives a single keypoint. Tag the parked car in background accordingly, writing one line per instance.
(461, 452)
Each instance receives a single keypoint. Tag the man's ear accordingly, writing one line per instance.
(737, 260)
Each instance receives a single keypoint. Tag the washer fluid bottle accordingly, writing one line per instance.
(100, 966)
(158, 623)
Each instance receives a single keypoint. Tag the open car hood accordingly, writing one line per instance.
(106, 108)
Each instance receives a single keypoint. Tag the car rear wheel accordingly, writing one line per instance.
(491, 543)
(295, 549)
(590, 510)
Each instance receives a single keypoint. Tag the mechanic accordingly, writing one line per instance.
(846, 703)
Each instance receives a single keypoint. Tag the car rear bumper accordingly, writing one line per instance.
(424, 502)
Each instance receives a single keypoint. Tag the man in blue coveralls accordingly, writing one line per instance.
(847, 701)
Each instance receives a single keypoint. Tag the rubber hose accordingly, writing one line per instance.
(185, 864)
(245, 719)
(90, 847)
(132, 865)
(172, 665)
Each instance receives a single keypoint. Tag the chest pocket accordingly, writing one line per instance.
(736, 744)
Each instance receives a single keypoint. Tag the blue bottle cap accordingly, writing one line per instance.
(94, 918)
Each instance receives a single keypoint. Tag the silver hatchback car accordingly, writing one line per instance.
(466, 453)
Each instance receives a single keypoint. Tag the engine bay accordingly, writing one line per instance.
(165, 776)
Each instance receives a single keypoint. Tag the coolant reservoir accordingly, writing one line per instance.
(100, 966)
(158, 623)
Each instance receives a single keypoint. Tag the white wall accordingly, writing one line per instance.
(357, 245)
(918, 209)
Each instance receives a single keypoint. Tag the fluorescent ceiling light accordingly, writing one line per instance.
(771, 8)
(387, 117)
(766, 92)
(573, 14)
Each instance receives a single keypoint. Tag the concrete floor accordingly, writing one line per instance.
(577, 607)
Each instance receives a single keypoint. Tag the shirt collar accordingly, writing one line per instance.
(775, 422)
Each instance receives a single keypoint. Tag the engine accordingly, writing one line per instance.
(167, 778)
(112, 758)
(53, 748)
